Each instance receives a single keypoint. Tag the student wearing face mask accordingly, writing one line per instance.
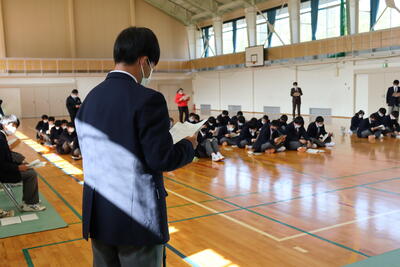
(56, 132)
(11, 172)
(68, 143)
(393, 97)
(212, 125)
(297, 138)
(73, 104)
(370, 128)
(263, 121)
(316, 132)
(228, 135)
(223, 118)
(45, 136)
(41, 127)
(380, 115)
(208, 144)
(64, 124)
(192, 117)
(181, 99)
(391, 123)
(296, 94)
(241, 122)
(248, 135)
(355, 121)
(270, 139)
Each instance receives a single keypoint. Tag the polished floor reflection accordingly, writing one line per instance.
(286, 209)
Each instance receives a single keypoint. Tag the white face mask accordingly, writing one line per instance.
(45, 121)
(392, 117)
(360, 116)
(71, 130)
(57, 128)
(191, 119)
(320, 124)
(240, 124)
(297, 126)
(74, 96)
(10, 130)
(381, 114)
(230, 129)
(263, 121)
(252, 132)
(145, 81)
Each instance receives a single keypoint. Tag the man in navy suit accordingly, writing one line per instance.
(392, 100)
(296, 94)
(123, 131)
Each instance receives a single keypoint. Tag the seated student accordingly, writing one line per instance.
(370, 128)
(46, 135)
(212, 125)
(391, 123)
(283, 122)
(42, 126)
(247, 136)
(270, 139)
(380, 114)
(241, 122)
(11, 172)
(316, 132)
(356, 120)
(228, 135)
(192, 117)
(297, 138)
(196, 118)
(64, 124)
(239, 113)
(223, 118)
(208, 144)
(263, 121)
(68, 143)
(55, 133)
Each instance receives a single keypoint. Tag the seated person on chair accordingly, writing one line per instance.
(270, 139)
(11, 172)
(207, 144)
(356, 120)
(391, 123)
(297, 138)
(370, 128)
(248, 135)
(42, 126)
(316, 132)
(68, 143)
(228, 135)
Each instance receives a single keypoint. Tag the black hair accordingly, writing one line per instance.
(360, 112)
(234, 118)
(52, 119)
(395, 114)
(135, 42)
(253, 120)
(239, 113)
(275, 123)
(191, 114)
(45, 117)
(319, 119)
(180, 89)
(252, 125)
(212, 120)
(265, 117)
(232, 122)
(197, 117)
(295, 83)
(284, 118)
(396, 82)
(382, 110)
(70, 125)
(171, 119)
(75, 92)
(58, 123)
(299, 120)
(225, 112)
(373, 116)
(1, 101)
(241, 119)
(64, 121)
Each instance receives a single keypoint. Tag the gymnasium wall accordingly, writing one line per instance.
(86, 28)
(343, 87)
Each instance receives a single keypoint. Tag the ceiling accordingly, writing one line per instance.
(195, 11)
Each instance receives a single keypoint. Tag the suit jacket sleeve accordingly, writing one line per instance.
(70, 104)
(291, 92)
(5, 165)
(159, 151)
(389, 95)
(300, 91)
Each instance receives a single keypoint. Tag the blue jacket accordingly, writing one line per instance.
(123, 131)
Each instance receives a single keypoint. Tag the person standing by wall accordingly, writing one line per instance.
(296, 94)
(182, 100)
(73, 104)
(393, 97)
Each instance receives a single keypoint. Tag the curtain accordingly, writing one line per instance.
(343, 18)
(271, 15)
(314, 18)
(234, 28)
(374, 12)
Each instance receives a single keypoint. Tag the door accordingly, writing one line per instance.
(28, 102)
(42, 101)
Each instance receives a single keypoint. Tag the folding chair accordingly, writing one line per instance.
(10, 193)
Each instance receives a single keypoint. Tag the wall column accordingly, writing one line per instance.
(353, 12)
(199, 43)
(191, 35)
(132, 12)
(71, 21)
(2, 36)
(294, 16)
(217, 24)
(251, 21)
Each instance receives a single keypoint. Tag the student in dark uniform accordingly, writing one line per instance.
(41, 127)
(370, 128)
(208, 144)
(263, 121)
(297, 138)
(296, 94)
(55, 133)
(392, 101)
(223, 118)
(228, 135)
(73, 104)
(316, 132)
(380, 115)
(68, 143)
(391, 123)
(283, 122)
(241, 122)
(248, 135)
(1, 109)
(356, 120)
(270, 139)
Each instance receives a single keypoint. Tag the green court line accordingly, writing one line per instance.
(275, 220)
(382, 190)
(362, 173)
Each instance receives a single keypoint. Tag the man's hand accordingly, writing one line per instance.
(193, 140)
(23, 168)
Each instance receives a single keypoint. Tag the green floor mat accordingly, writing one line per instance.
(43, 221)
(389, 259)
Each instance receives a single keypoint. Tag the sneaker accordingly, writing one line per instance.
(76, 157)
(250, 152)
(314, 146)
(234, 146)
(381, 136)
(214, 157)
(34, 207)
(6, 213)
(331, 144)
(220, 156)
(281, 149)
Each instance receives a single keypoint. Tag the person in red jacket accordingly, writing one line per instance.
(182, 100)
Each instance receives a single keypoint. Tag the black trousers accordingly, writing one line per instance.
(298, 105)
(183, 110)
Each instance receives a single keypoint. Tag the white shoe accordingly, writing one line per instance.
(34, 207)
(214, 157)
(250, 152)
(331, 144)
(221, 157)
(234, 146)
(76, 157)
(381, 136)
(6, 213)
(281, 149)
(314, 146)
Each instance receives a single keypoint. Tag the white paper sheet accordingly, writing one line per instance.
(36, 164)
(182, 130)
(12, 141)
(29, 217)
(10, 220)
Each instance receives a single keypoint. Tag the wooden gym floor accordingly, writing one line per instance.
(287, 209)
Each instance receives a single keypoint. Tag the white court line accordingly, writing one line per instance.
(338, 225)
(302, 250)
(227, 217)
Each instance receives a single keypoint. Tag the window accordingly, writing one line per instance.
(262, 30)
(227, 37)
(363, 16)
(241, 35)
(305, 21)
(389, 19)
(328, 19)
(208, 41)
(282, 28)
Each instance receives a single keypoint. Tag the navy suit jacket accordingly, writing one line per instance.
(123, 131)
(312, 131)
(390, 99)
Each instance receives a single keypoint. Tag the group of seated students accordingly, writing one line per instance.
(378, 125)
(258, 135)
(58, 134)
